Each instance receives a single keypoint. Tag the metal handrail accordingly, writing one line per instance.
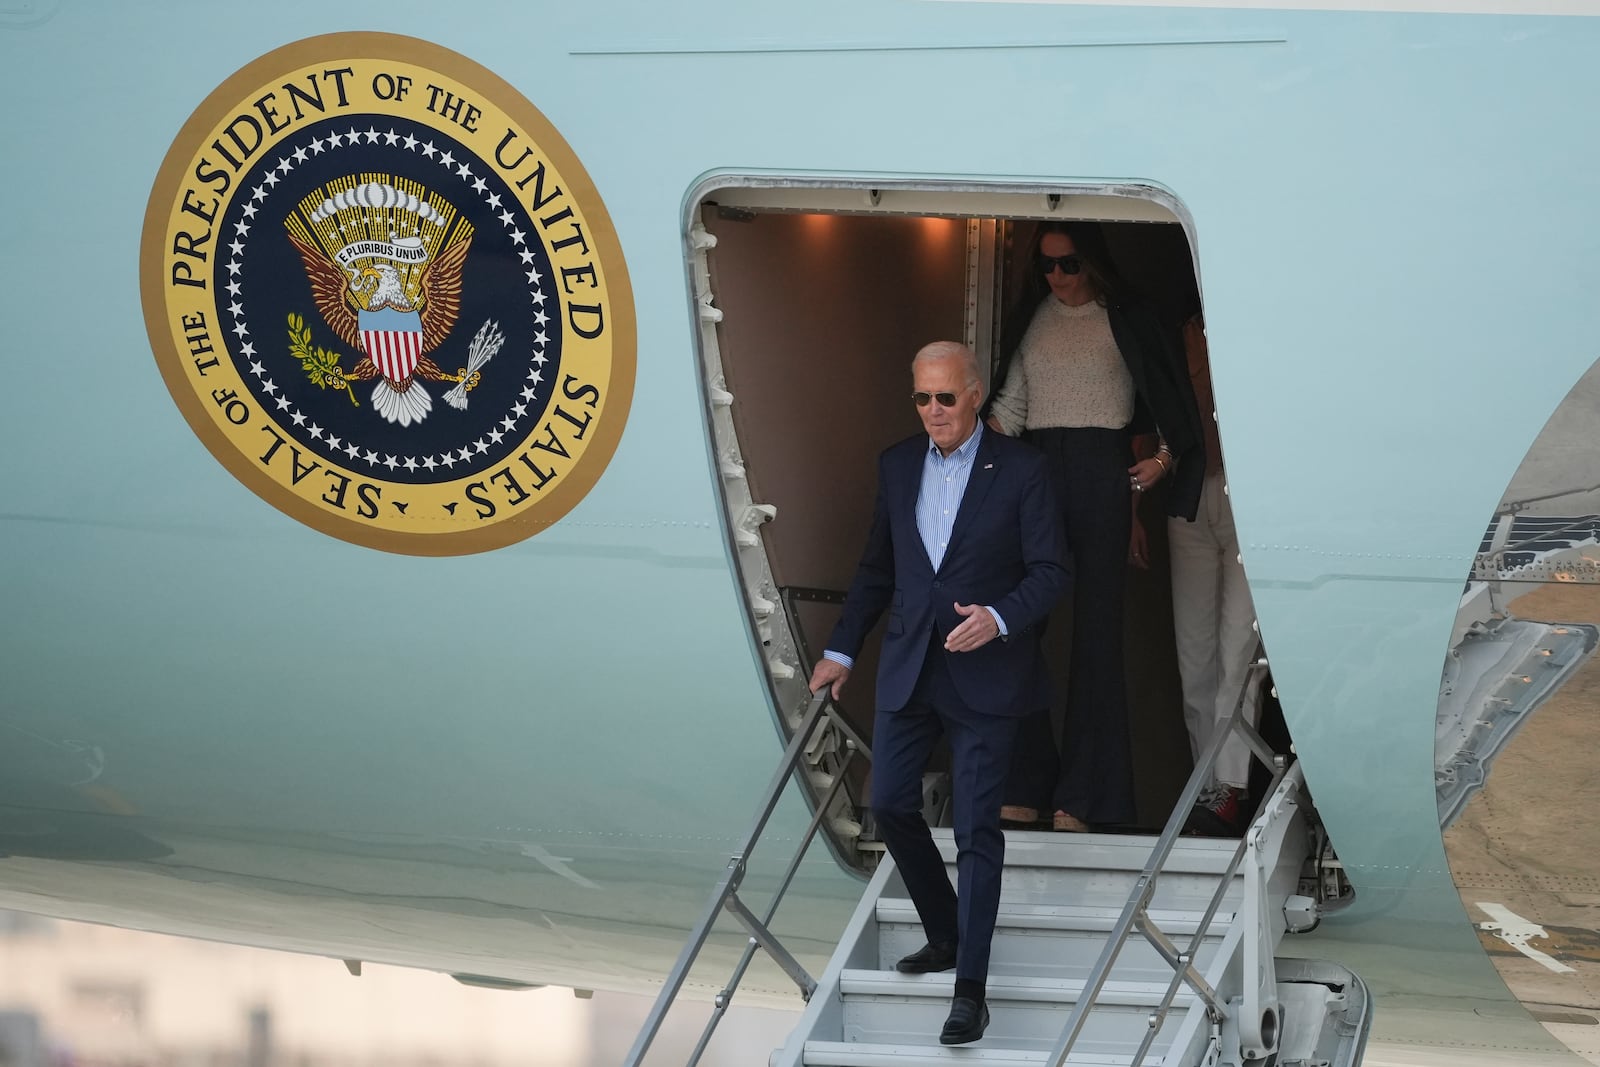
(725, 895)
(1135, 915)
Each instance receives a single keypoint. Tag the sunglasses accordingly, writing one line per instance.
(1067, 264)
(946, 400)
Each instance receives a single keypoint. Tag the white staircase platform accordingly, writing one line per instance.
(849, 1054)
(1062, 896)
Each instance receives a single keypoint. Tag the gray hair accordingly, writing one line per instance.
(950, 350)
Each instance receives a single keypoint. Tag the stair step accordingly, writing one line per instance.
(1056, 941)
(869, 983)
(1027, 1013)
(1074, 917)
(1102, 852)
(848, 1054)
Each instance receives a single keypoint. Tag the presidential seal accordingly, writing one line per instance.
(387, 298)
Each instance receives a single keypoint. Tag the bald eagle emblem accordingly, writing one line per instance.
(384, 258)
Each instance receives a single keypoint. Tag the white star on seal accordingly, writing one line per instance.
(428, 463)
(315, 431)
(283, 403)
(299, 418)
(494, 199)
(351, 450)
(429, 151)
(390, 462)
(411, 143)
(495, 435)
(371, 456)
(447, 159)
(268, 387)
(391, 138)
(410, 464)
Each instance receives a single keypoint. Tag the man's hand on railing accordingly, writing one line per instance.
(828, 673)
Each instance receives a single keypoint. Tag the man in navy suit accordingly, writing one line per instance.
(966, 553)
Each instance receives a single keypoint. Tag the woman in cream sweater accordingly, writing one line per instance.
(1091, 370)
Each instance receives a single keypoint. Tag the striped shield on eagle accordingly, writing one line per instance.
(392, 340)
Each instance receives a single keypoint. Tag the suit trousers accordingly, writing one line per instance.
(1211, 616)
(980, 750)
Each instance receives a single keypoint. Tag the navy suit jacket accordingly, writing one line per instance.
(1006, 551)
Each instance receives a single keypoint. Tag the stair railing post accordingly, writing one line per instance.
(1133, 913)
(1260, 1020)
(726, 890)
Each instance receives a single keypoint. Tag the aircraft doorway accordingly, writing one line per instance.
(813, 302)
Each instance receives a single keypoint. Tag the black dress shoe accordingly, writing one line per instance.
(968, 1020)
(927, 959)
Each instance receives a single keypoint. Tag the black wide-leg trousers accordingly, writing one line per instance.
(1091, 775)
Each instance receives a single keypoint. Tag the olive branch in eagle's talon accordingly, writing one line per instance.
(320, 365)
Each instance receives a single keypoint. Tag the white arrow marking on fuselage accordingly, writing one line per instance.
(558, 864)
(1516, 931)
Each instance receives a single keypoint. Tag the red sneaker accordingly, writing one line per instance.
(1220, 813)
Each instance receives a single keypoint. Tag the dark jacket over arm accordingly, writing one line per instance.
(1155, 362)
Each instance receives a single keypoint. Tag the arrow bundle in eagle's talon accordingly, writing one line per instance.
(485, 343)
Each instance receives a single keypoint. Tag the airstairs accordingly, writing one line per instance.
(1110, 950)
(1177, 996)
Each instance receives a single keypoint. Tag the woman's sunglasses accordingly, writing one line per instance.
(1068, 264)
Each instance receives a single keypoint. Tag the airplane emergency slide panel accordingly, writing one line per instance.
(1518, 729)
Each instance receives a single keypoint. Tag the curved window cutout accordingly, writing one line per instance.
(1518, 729)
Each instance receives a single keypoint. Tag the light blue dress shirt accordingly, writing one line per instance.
(944, 482)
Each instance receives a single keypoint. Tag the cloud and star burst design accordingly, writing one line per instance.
(393, 262)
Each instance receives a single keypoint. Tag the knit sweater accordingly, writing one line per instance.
(1068, 371)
